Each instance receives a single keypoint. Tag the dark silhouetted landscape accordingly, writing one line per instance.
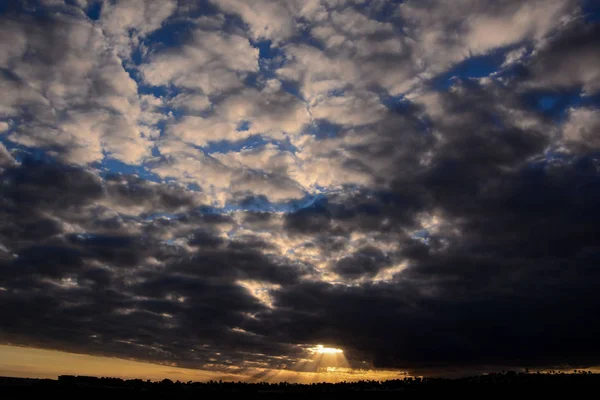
(507, 383)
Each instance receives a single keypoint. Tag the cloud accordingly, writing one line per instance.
(352, 108)
(367, 261)
(448, 33)
(126, 21)
(270, 112)
(73, 267)
(211, 61)
(70, 89)
(5, 157)
(267, 19)
(566, 61)
(582, 128)
(221, 186)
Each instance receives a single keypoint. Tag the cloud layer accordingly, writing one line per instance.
(223, 186)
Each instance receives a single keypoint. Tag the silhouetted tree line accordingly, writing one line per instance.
(510, 381)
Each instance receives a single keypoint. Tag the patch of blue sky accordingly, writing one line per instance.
(21, 152)
(226, 146)
(111, 166)
(422, 235)
(263, 204)
(270, 58)
(323, 129)
(292, 88)
(251, 142)
(243, 126)
(401, 105)
(209, 210)
(285, 145)
(555, 104)
(252, 204)
(137, 56)
(591, 10)
(5, 6)
(337, 93)
(169, 242)
(160, 215)
(473, 67)
(254, 79)
(265, 51)
(397, 103)
(175, 31)
(92, 239)
(592, 101)
(157, 91)
(305, 38)
(93, 10)
(194, 187)
(515, 69)
(169, 35)
(551, 157)
(536, 171)
(382, 11)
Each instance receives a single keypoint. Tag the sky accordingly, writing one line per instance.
(210, 188)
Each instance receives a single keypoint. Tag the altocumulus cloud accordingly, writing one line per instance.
(223, 184)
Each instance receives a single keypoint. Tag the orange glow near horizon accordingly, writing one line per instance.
(322, 366)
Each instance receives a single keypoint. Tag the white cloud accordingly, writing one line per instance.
(222, 177)
(358, 52)
(267, 158)
(200, 131)
(353, 108)
(71, 90)
(271, 112)
(126, 21)
(326, 163)
(448, 32)
(190, 102)
(354, 23)
(212, 62)
(4, 126)
(583, 127)
(5, 157)
(268, 19)
(317, 72)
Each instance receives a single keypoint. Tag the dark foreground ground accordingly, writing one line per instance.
(509, 383)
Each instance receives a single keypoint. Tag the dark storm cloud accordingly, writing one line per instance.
(508, 277)
(236, 264)
(568, 60)
(97, 291)
(516, 287)
(130, 190)
(309, 220)
(367, 261)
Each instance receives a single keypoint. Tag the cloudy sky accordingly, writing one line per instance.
(225, 185)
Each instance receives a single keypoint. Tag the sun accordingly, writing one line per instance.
(320, 349)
